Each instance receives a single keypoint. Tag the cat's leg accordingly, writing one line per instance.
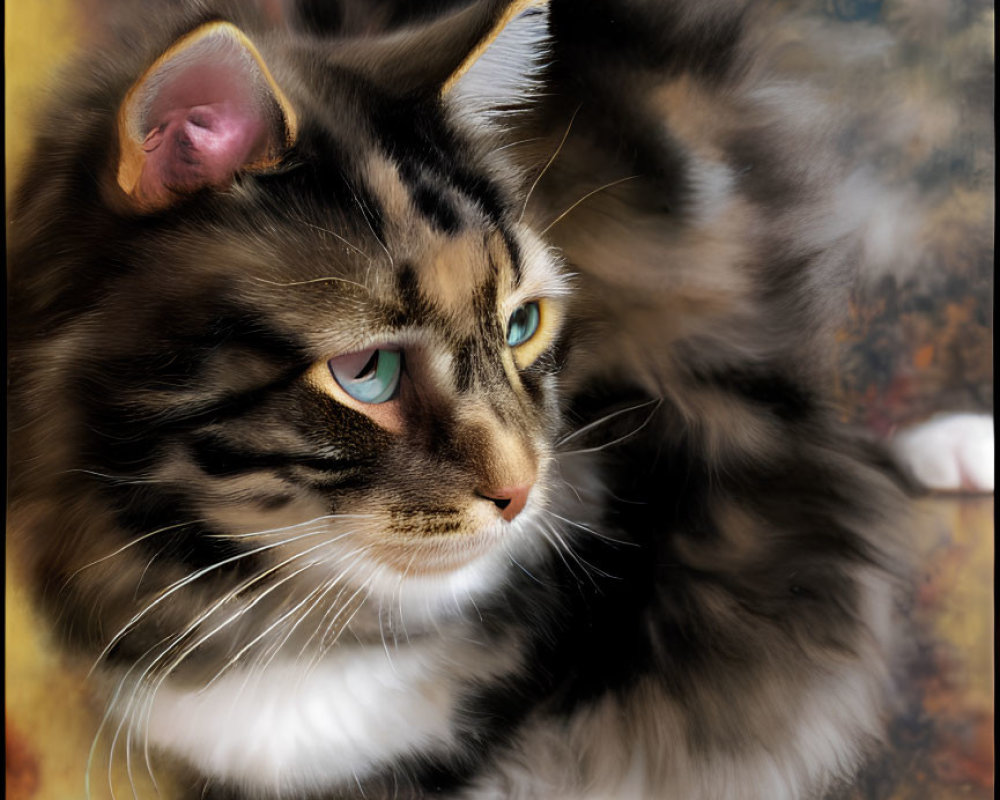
(951, 452)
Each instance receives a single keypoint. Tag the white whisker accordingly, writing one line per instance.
(562, 549)
(519, 565)
(326, 279)
(326, 648)
(583, 527)
(331, 584)
(109, 708)
(552, 158)
(120, 480)
(385, 644)
(132, 543)
(187, 580)
(518, 143)
(336, 235)
(364, 214)
(249, 645)
(275, 531)
(606, 418)
(399, 594)
(176, 639)
(584, 564)
(585, 197)
(619, 440)
(335, 608)
(320, 593)
(269, 653)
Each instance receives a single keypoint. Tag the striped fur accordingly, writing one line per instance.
(289, 593)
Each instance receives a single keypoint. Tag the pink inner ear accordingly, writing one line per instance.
(205, 124)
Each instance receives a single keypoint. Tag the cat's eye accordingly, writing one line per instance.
(523, 323)
(371, 376)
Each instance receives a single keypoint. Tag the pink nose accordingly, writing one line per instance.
(511, 500)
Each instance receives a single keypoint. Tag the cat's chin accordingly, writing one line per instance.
(440, 555)
(445, 576)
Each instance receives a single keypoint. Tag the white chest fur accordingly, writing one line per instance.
(293, 727)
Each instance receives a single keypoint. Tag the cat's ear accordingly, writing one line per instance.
(207, 109)
(502, 71)
(489, 42)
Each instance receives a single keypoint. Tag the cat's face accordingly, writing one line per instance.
(303, 367)
(316, 381)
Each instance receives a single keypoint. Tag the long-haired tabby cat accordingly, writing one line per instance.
(351, 483)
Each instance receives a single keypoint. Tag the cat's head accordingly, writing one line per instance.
(281, 336)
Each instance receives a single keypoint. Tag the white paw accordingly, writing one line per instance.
(949, 453)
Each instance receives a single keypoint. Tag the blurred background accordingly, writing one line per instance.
(917, 76)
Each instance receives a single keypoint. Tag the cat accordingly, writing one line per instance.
(441, 411)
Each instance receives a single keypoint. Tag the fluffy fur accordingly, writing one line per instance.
(289, 592)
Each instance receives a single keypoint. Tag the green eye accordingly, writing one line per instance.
(371, 376)
(523, 323)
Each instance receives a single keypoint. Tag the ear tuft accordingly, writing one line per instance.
(207, 109)
(502, 71)
(431, 58)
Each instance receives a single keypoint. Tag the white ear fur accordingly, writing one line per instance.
(504, 72)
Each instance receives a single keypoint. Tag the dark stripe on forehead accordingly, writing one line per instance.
(415, 308)
(483, 192)
(432, 198)
(514, 249)
(415, 133)
(435, 205)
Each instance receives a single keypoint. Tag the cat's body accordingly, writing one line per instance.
(589, 535)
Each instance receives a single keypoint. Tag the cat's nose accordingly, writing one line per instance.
(511, 500)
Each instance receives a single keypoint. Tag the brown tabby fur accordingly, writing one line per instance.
(696, 601)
